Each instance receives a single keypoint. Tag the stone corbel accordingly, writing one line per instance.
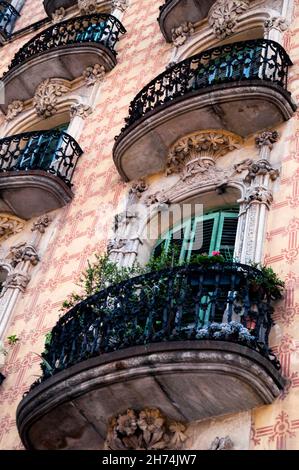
(13, 109)
(94, 74)
(58, 15)
(120, 5)
(23, 252)
(222, 443)
(81, 110)
(180, 34)
(87, 7)
(223, 16)
(16, 280)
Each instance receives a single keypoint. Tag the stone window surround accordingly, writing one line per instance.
(202, 36)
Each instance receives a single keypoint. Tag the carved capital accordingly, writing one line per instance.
(148, 429)
(276, 22)
(94, 74)
(58, 15)
(10, 225)
(23, 252)
(261, 168)
(46, 97)
(13, 109)
(16, 280)
(180, 34)
(81, 110)
(222, 443)
(267, 138)
(87, 7)
(258, 195)
(156, 198)
(224, 15)
(121, 5)
(41, 224)
(197, 152)
(137, 188)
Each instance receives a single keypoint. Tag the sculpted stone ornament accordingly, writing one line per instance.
(16, 280)
(94, 74)
(148, 429)
(87, 6)
(41, 224)
(10, 225)
(261, 168)
(81, 110)
(222, 443)
(157, 198)
(209, 144)
(116, 245)
(276, 22)
(58, 15)
(23, 252)
(224, 15)
(258, 195)
(180, 34)
(267, 138)
(121, 5)
(13, 109)
(137, 188)
(46, 97)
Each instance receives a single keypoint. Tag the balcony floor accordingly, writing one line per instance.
(70, 410)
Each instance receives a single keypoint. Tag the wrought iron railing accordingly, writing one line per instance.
(258, 59)
(222, 301)
(97, 28)
(8, 15)
(52, 151)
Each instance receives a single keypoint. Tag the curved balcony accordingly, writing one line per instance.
(64, 50)
(240, 87)
(148, 340)
(176, 12)
(36, 169)
(8, 16)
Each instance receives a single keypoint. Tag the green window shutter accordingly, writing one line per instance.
(226, 236)
(204, 234)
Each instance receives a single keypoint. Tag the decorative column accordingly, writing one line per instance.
(19, 262)
(274, 28)
(256, 202)
(119, 7)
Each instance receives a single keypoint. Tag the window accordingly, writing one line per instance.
(214, 231)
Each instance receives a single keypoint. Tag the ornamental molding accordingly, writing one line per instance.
(276, 22)
(10, 225)
(81, 110)
(267, 138)
(58, 15)
(23, 252)
(148, 429)
(180, 34)
(261, 168)
(222, 443)
(46, 96)
(13, 109)
(87, 7)
(94, 74)
(224, 15)
(16, 280)
(258, 195)
(138, 188)
(198, 151)
(41, 224)
(121, 5)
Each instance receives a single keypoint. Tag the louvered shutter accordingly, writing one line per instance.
(227, 230)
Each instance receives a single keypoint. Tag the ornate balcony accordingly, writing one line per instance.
(8, 16)
(148, 340)
(240, 87)
(36, 169)
(64, 50)
(176, 12)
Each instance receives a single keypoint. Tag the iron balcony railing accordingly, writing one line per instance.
(8, 15)
(97, 28)
(52, 151)
(258, 59)
(222, 301)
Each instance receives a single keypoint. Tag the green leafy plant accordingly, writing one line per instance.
(268, 281)
(12, 340)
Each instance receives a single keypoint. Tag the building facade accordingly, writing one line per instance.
(133, 127)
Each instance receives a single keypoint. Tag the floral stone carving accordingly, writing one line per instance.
(148, 429)
(93, 74)
(13, 109)
(10, 225)
(224, 14)
(46, 97)
(180, 34)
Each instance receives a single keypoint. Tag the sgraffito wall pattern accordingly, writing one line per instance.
(81, 228)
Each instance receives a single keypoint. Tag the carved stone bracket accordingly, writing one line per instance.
(276, 22)
(10, 225)
(180, 34)
(81, 110)
(205, 147)
(13, 109)
(258, 195)
(138, 188)
(41, 224)
(222, 443)
(93, 74)
(148, 429)
(87, 7)
(267, 138)
(121, 5)
(58, 15)
(23, 252)
(224, 15)
(46, 96)
(16, 280)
